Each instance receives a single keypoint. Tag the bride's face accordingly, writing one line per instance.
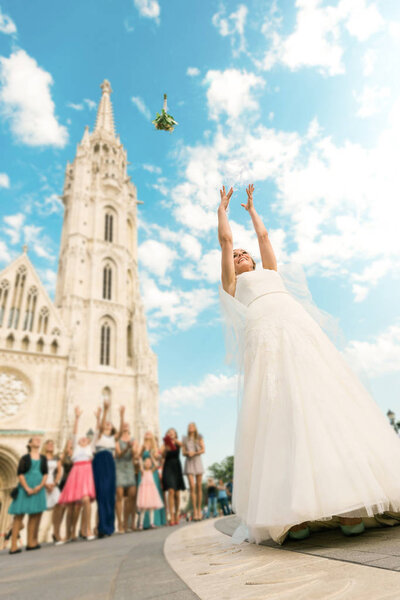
(242, 261)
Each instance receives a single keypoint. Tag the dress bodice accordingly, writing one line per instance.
(172, 454)
(254, 284)
(127, 456)
(105, 442)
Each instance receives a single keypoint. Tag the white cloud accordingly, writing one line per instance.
(371, 100)
(49, 279)
(394, 30)
(39, 243)
(13, 227)
(233, 26)
(75, 106)
(161, 186)
(31, 116)
(318, 36)
(152, 169)
(17, 230)
(156, 257)
(362, 18)
(369, 61)
(141, 106)
(229, 92)
(4, 180)
(212, 386)
(148, 8)
(7, 25)
(5, 255)
(173, 305)
(379, 355)
(207, 268)
(192, 71)
(91, 104)
(234, 157)
(190, 246)
(51, 205)
(86, 101)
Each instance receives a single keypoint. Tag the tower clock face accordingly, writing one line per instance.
(14, 392)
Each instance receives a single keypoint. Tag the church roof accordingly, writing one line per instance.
(26, 304)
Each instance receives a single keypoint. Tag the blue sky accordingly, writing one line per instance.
(301, 98)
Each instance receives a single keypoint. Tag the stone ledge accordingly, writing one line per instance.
(213, 567)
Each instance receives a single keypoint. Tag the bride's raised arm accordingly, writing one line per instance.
(225, 239)
(267, 253)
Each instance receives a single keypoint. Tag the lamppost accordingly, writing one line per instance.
(392, 420)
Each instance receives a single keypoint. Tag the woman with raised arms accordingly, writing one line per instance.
(311, 444)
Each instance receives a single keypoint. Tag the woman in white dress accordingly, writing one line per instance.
(311, 443)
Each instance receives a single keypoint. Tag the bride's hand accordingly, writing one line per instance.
(249, 204)
(225, 197)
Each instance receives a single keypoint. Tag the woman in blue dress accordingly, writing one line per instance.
(150, 449)
(29, 496)
(104, 472)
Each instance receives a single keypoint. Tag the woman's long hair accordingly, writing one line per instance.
(196, 433)
(44, 446)
(153, 442)
(64, 453)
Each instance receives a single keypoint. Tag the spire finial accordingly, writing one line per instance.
(105, 119)
(25, 248)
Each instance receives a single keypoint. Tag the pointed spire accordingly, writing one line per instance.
(105, 119)
(86, 136)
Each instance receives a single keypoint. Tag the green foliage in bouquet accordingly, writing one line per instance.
(164, 122)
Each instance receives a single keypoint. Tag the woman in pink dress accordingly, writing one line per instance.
(79, 488)
(149, 498)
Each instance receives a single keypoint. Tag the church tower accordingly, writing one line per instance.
(97, 292)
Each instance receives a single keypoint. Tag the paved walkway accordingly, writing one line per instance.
(375, 548)
(123, 567)
(213, 567)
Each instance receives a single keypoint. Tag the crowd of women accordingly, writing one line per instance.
(135, 485)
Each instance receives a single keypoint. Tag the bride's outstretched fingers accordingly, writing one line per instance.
(249, 191)
(225, 197)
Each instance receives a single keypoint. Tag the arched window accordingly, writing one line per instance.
(25, 343)
(129, 340)
(30, 309)
(10, 341)
(39, 345)
(54, 347)
(105, 343)
(109, 227)
(43, 320)
(129, 288)
(131, 240)
(107, 281)
(18, 292)
(4, 288)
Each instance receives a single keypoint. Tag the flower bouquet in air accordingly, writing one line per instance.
(164, 122)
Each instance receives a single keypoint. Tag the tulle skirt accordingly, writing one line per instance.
(310, 442)
(148, 495)
(80, 483)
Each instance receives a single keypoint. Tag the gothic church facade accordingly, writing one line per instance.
(91, 342)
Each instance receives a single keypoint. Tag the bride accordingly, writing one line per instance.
(311, 443)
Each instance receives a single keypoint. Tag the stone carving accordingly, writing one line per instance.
(13, 393)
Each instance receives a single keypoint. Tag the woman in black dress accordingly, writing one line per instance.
(172, 478)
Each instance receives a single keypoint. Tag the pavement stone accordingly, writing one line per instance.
(121, 567)
(216, 568)
(376, 547)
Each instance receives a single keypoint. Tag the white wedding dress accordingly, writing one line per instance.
(310, 443)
